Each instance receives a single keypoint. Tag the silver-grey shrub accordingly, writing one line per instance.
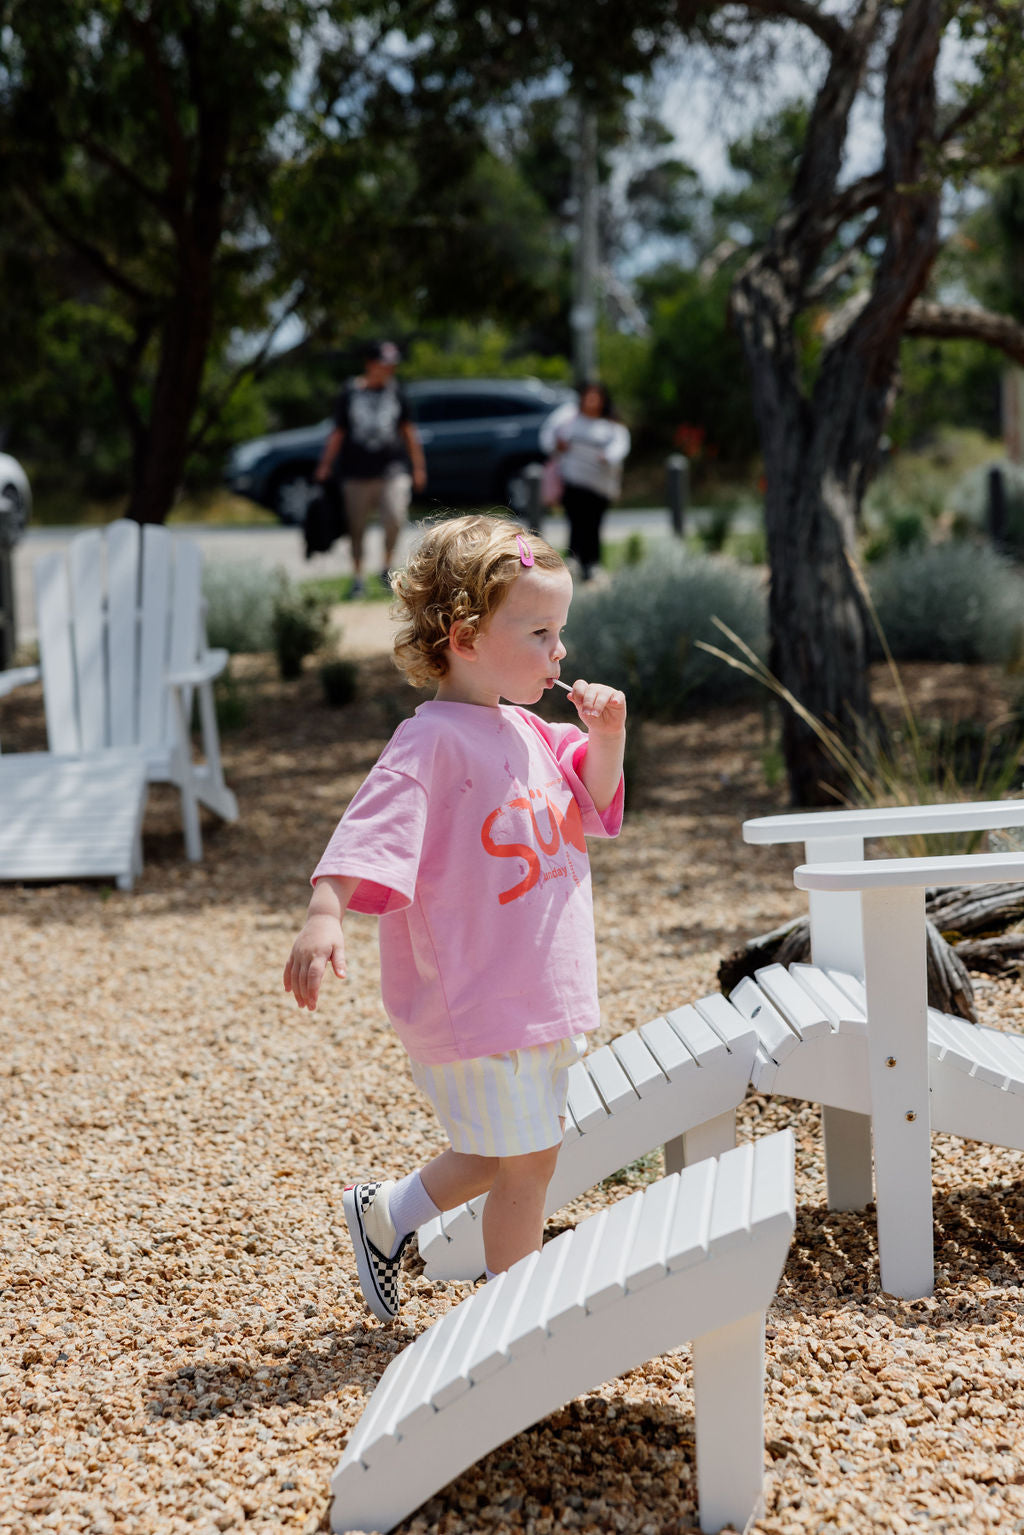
(639, 632)
(956, 601)
(240, 600)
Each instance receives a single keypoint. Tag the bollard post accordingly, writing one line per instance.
(677, 489)
(11, 529)
(8, 637)
(997, 507)
(532, 510)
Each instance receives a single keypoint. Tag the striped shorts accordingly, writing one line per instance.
(503, 1105)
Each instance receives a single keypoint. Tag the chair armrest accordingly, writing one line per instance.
(912, 873)
(209, 665)
(17, 677)
(890, 821)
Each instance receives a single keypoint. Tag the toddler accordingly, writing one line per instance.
(468, 840)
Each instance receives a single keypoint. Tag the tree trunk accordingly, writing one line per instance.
(184, 343)
(820, 420)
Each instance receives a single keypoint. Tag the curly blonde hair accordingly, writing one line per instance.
(462, 571)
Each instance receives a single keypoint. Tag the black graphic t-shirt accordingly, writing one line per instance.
(371, 420)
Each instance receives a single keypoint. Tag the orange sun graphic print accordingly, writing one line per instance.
(538, 834)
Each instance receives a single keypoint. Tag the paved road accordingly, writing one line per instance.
(283, 548)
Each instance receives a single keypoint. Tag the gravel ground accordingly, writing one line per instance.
(183, 1346)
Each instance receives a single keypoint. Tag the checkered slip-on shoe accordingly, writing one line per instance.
(373, 1236)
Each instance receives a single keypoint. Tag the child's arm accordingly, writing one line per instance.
(603, 711)
(321, 942)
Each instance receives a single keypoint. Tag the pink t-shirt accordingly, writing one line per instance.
(468, 838)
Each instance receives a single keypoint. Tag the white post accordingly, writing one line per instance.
(709, 1139)
(895, 978)
(728, 1388)
(837, 940)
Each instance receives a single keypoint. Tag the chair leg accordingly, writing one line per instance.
(213, 791)
(186, 782)
(848, 1165)
(728, 1388)
(707, 1140)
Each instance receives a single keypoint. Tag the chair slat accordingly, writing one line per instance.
(639, 1064)
(86, 579)
(122, 657)
(798, 1008)
(689, 1231)
(453, 1377)
(731, 1207)
(772, 1201)
(584, 1100)
(154, 607)
(696, 1032)
(609, 1078)
(606, 1279)
(490, 1351)
(56, 656)
(568, 1297)
(647, 1257)
(777, 1036)
(532, 1320)
(667, 1048)
(846, 1015)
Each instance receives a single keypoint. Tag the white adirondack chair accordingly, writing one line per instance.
(122, 655)
(678, 1081)
(885, 1067)
(696, 1256)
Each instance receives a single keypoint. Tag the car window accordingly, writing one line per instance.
(482, 407)
(430, 407)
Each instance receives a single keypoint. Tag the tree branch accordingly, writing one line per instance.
(113, 162)
(91, 253)
(828, 29)
(965, 322)
(247, 369)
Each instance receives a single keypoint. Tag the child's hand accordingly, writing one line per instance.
(320, 944)
(602, 709)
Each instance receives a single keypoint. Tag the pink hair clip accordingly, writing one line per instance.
(525, 552)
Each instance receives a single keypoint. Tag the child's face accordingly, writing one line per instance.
(518, 652)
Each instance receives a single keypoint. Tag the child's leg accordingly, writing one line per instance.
(513, 1219)
(455, 1176)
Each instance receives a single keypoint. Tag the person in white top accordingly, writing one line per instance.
(591, 443)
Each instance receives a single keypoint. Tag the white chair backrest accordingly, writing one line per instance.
(117, 611)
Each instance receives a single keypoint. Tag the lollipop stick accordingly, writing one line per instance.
(564, 685)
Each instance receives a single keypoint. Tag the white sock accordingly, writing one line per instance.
(489, 1274)
(410, 1207)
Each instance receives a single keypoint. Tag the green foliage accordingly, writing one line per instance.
(240, 598)
(485, 350)
(698, 375)
(340, 682)
(640, 632)
(943, 382)
(957, 601)
(300, 625)
(231, 702)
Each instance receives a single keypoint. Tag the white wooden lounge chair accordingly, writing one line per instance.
(863, 1041)
(696, 1256)
(122, 655)
(67, 819)
(677, 1080)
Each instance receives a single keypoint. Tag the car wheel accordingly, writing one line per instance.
(292, 492)
(515, 491)
(13, 511)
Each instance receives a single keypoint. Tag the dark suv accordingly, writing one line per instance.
(478, 435)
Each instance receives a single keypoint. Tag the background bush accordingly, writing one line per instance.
(240, 601)
(956, 601)
(639, 633)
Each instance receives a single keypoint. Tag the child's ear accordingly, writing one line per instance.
(462, 639)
